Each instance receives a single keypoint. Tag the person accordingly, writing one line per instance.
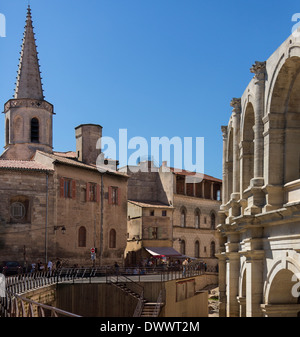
(58, 264)
(184, 265)
(49, 266)
(117, 268)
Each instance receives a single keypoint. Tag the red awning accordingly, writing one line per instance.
(163, 251)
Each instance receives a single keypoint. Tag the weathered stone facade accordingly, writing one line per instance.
(259, 261)
(191, 210)
(53, 204)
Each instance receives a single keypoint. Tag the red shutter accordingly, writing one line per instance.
(73, 189)
(61, 187)
(98, 193)
(119, 196)
(87, 192)
(110, 195)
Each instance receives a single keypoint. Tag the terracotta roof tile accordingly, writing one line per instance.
(189, 173)
(23, 165)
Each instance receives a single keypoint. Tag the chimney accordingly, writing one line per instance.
(87, 136)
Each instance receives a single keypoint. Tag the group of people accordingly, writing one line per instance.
(40, 266)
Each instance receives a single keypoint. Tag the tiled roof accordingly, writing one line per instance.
(68, 154)
(147, 203)
(22, 165)
(60, 157)
(189, 173)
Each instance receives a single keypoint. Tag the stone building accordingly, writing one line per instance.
(259, 260)
(183, 213)
(55, 204)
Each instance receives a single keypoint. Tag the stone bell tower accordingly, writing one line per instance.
(28, 117)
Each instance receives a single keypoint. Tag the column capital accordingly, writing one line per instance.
(236, 104)
(224, 129)
(259, 69)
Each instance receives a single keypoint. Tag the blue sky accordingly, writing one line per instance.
(154, 67)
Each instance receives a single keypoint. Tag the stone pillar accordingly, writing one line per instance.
(259, 69)
(224, 181)
(256, 195)
(232, 284)
(254, 283)
(222, 284)
(236, 112)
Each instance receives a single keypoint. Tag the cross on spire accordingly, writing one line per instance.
(29, 83)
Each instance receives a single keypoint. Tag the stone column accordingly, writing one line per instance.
(254, 283)
(224, 181)
(236, 112)
(259, 69)
(212, 190)
(256, 195)
(222, 284)
(232, 284)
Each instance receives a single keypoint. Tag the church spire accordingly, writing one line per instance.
(29, 83)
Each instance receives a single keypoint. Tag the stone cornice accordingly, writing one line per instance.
(28, 103)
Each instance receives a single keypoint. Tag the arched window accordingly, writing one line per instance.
(197, 249)
(34, 130)
(212, 249)
(183, 217)
(197, 218)
(112, 239)
(82, 237)
(182, 247)
(7, 132)
(212, 221)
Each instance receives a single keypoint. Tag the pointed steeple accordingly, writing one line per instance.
(29, 83)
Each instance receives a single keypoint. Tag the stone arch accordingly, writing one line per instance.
(112, 238)
(197, 215)
(18, 129)
(284, 123)
(279, 282)
(247, 147)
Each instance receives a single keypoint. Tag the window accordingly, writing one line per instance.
(17, 210)
(164, 213)
(151, 213)
(34, 130)
(67, 188)
(154, 233)
(212, 249)
(213, 221)
(197, 249)
(92, 192)
(183, 217)
(112, 239)
(7, 132)
(182, 247)
(197, 218)
(114, 195)
(82, 237)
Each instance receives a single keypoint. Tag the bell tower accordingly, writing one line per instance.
(28, 116)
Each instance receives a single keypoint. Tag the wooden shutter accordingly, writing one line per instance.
(73, 189)
(119, 195)
(110, 195)
(98, 193)
(87, 192)
(61, 187)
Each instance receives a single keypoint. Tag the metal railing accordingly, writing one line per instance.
(18, 285)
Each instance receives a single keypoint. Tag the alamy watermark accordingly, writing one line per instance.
(188, 154)
(296, 18)
(2, 25)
